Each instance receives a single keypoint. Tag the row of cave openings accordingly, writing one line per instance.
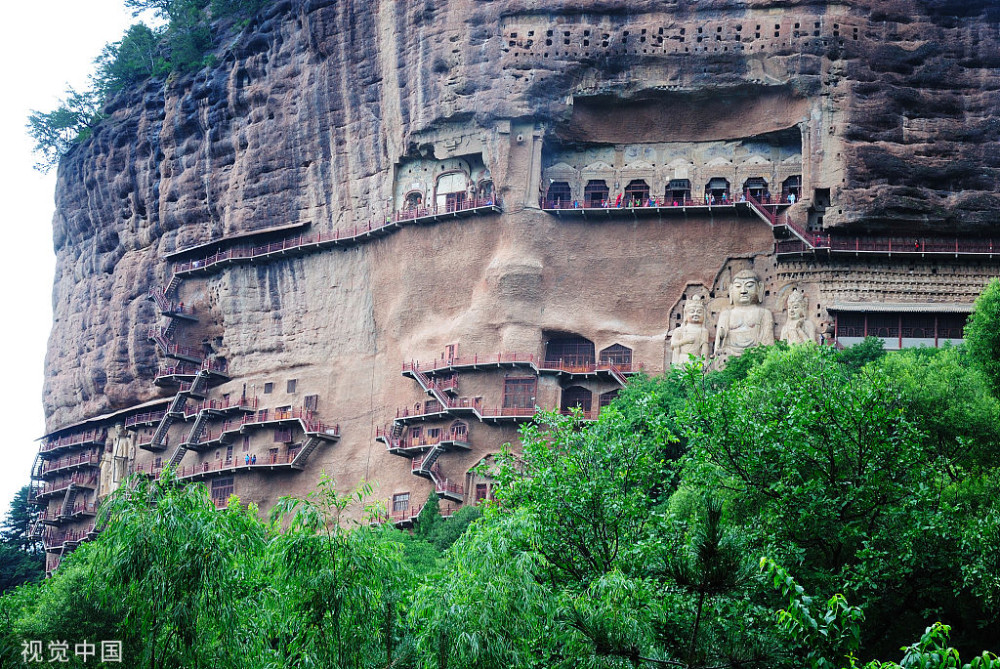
(566, 40)
(718, 190)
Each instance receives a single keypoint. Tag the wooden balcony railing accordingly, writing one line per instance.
(74, 440)
(90, 458)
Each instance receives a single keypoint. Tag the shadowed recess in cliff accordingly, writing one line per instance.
(667, 116)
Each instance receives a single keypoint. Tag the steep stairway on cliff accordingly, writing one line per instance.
(302, 457)
(428, 467)
(69, 500)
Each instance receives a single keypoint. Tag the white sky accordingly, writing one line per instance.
(48, 45)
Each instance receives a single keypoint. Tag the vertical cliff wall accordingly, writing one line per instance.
(314, 112)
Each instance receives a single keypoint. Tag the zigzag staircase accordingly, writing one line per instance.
(428, 467)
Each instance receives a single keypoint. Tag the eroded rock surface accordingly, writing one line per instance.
(892, 107)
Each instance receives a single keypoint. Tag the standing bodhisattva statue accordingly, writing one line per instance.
(691, 338)
(746, 323)
(798, 328)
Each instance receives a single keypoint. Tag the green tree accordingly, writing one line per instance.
(829, 469)
(133, 59)
(948, 400)
(429, 517)
(982, 334)
(22, 559)
(71, 122)
(179, 569)
(338, 591)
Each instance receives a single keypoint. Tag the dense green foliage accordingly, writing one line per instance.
(982, 335)
(21, 557)
(187, 32)
(803, 509)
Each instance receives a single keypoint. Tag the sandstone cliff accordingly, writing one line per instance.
(314, 110)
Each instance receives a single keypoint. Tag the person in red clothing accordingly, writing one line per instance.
(618, 200)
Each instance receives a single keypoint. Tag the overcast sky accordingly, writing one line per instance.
(48, 45)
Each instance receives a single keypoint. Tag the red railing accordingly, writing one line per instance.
(89, 437)
(214, 365)
(527, 359)
(299, 241)
(148, 417)
(243, 403)
(80, 478)
(411, 512)
(180, 369)
(423, 441)
(85, 508)
(648, 203)
(162, 339)
(213, 466)
(91, 458)
(59, 538)
(305, 416)
(887, 245)
(168, 306)
(82, 508)
(425, 212)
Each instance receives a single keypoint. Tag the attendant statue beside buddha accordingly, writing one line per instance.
(798, 328)
(691, 338)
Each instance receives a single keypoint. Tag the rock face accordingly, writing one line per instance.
(338, 114)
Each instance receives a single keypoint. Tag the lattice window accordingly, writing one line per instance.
(401, 501)
(459, 431)
(311, 402)
(575, 351)
(268, 388)
(608, 397)
(617, 355)
(283, 435)
(519, 392)
(290, 386)
(222, 488)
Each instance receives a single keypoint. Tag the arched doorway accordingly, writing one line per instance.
(569, 351)
(595, 193)
(637, 193)
(413, 200)
(717, 190)
(452, 190)
(576, 396)
(560, 196)
(757, 188)
(791, 189)
(678, 191)
(617, 355)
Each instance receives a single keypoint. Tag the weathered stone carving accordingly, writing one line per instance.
(691, 338)
(747, 323)
(798, 329)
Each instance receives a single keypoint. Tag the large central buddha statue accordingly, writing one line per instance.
(746, 323)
